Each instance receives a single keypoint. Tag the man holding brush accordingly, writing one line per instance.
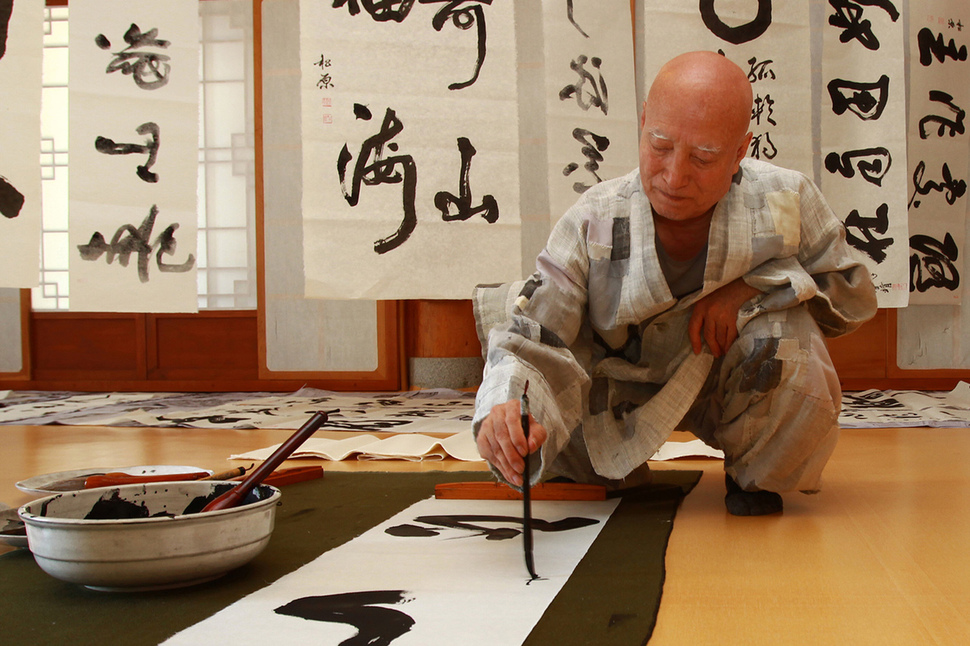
(695, 294)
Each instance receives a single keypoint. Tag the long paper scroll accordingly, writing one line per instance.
(21, 43)
(440, 572)
(410, 148)
(863, 141)
(769, 39)
(939, 96)
(591, 110)
(134, 155)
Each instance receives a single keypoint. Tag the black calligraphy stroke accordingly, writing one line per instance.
(466, 522)
(129, 240)
(741, 33)
(382, 171)
(599, 96)
(376, 626)
(6, 10)
(462, 202)
(955, 126)
(109, 147)
(953, 189)
(869, 244)
(848, 14)
(873, 163)
(931, 45)
(938, 259)
(572, 20)
(11, 200)
(865, 100)
(149, 70)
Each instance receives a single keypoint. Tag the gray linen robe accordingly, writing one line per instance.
(605, 349)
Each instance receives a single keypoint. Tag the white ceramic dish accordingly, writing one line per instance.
(148, 553)
(44, 484)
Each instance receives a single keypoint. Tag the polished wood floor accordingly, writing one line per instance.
(880, 556)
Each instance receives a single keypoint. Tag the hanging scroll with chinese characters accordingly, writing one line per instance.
(591, 109)
(769, 39)
(939, 96)
(410, 148)
(863, 122)
(134, 155)
(21, 43)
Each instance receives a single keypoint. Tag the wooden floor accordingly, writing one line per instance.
(880, 556)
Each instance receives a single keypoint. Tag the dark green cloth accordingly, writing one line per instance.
(612, 597)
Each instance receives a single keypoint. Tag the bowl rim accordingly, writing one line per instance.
(30, 517)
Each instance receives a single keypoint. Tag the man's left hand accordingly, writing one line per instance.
(715, 317)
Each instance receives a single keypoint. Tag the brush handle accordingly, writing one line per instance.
(235, 495)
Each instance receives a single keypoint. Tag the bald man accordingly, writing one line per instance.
(695, 294)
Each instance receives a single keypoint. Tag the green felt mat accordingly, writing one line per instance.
(612, 597)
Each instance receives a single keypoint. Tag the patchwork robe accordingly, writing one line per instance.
(604, 345)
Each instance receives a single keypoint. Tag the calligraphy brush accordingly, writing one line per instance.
(526, 498)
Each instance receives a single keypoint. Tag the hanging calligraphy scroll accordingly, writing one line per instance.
(939, 96)
(410, 148)
(591, 109)
(21, 45)
(863, 141)
(769, 39)
(134, 155)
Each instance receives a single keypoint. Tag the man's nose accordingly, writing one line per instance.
(677, 171)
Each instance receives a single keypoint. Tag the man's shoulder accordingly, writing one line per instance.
(758, 171)
(603, 198)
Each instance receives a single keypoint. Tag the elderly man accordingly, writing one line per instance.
(693, 294)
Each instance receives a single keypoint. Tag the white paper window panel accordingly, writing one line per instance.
(226, 207)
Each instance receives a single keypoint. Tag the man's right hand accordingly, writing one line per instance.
(502, 442)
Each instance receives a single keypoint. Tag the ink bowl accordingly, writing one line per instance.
(147, 536)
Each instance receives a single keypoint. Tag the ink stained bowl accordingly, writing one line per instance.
(89, 537)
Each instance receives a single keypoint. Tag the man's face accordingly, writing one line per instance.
(688, 157)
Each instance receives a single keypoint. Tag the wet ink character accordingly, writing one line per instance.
(148, 69)
(376, 626)
(129, 240)
(955, 125)
(932, 46)
(937, 259)
(763, 107)
(109, 147)
(572, 20)
(873, 163)
(11, 200)
(868, 244)
(443, 200)
(760, 70)
(373, 169)
(847, 17)
(953, 189)
(379, 10)
(475, 524)
(865, 100)
(326, 81)
(738, 34)
(464, 17)
(598, 93)
(592, 145)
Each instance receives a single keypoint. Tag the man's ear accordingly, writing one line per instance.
(743, 149)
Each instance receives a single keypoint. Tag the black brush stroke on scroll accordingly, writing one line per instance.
(6, 9)
(465, 522)
(376, 626)
(11, 200)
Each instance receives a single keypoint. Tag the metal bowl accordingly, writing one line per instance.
(147, 537)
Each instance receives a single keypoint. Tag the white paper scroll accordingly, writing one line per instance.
(863, 117)
(939, 94)
(21, 46)
(436, 585)
(134, 155)
(591, 108)
(410, 148)
(769, 39)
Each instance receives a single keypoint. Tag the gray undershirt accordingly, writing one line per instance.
(682, 276)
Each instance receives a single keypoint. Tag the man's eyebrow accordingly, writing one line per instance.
(656, 133)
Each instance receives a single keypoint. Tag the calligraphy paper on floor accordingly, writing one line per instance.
(939, 97)
(439, 572)
(134, 130)
(768, 39)
(863, 117)
(410, 148)
(21, 47)
(591, 106)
